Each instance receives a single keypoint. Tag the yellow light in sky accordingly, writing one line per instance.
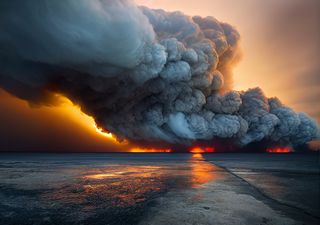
(101, 132)
(75, 113)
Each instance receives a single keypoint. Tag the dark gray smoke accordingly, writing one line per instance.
(145, 75)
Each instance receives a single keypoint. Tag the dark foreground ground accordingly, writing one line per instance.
(152, 189)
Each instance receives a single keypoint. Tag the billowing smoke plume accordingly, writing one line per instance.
(149, 76)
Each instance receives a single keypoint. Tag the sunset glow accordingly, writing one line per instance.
(279, 150)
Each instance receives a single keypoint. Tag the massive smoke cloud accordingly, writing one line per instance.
(149, 76)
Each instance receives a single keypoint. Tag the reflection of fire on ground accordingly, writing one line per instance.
(129, 185)
(113, 186)
(202, 171)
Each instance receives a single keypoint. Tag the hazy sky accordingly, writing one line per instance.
(280, 54)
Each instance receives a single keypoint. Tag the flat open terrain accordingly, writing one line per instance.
(159, 189)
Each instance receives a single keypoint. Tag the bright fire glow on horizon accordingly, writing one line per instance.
(279, 150)
(197, 150)
(149, 150)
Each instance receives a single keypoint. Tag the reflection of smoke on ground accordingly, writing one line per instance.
(145, 75)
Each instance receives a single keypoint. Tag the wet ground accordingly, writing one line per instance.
(159, 189)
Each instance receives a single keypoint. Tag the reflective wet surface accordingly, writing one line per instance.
(95, 189)
(122, 189)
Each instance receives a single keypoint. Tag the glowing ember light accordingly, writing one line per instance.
(279, 150)
(198, 149)
(152, 150)
(75, 113)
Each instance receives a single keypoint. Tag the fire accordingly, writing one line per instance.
(74, 112)
(147, 150)
(279, 150)
(198, 150)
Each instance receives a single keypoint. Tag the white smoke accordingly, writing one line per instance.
(145, 75)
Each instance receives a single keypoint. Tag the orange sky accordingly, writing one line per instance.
(281, 53)
(60, 128)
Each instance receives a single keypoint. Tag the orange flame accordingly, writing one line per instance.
(152, 150)
(198, 150)
(279, 150)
